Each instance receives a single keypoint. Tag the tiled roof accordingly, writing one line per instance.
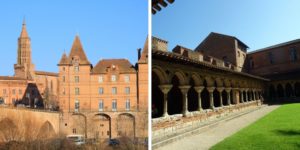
(275, 46)
(46, 73)
(123, 65)
(64, 60)
(144, 55)
(77, 50)
(178, 58)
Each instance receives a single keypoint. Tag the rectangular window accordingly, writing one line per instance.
(14, 91)
(127, 90)
(113, 78)
(64, 91)
(76, 68)
(63, 78)
(114, 105)
(20, 91)
(100, 90)
(100, 105)
(27, 95)
(74, 130)
(76, 105)
(114, 90)
(100, 79)
(126, 78)
(76, 79)
(77, 91)
(127, 104)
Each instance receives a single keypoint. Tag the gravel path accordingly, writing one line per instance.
(217, 133)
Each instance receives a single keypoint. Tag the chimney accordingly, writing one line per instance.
(139, 53)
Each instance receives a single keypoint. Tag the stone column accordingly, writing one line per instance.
(211, 97)
(165, 89)
(255, 95)
(184, 90)
(228, 95)
(246, 98)
(242, 96)
(199, 89)
(220, 90)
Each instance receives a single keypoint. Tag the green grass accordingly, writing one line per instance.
(280, 129)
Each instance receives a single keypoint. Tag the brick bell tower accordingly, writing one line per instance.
(24, 67)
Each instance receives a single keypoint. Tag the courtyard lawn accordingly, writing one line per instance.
(279, 129)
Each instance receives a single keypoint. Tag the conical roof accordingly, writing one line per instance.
(144, 55)
(64, 59)
(77, 51)
(24, 33)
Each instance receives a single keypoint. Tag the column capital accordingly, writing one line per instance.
(220, 89)
(165, 88)
(246, 89)
(227, 89)
(199, 88)
(210, 89)
(184, 88)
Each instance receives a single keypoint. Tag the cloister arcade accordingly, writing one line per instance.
(288, 89)
(180, 89)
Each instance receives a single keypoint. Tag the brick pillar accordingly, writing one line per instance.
(199, 89)
(165, 89)
(184, 90)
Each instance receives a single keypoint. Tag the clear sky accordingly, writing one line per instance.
(258, 23)
(107, 29)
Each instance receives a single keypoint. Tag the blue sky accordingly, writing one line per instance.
(107, 29)
(258, 23)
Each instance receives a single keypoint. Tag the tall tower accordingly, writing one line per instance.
(24, 67)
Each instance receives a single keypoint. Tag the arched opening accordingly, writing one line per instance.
(224, 97)
(288, 90)
(126, 125)
(297, 89)
(272, 92)
(8, 130)
(244, 96)
(280, 90)
(216, 98)
(102, 126)
(192, 97)
(175, 97)
(205, 96)
(46, 131)
(157, 97)
(231, 97)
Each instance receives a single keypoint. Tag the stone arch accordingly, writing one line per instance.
(175, 97)
(180, 75)
(102, 126)
(192, 96)
(197, 79)
(280, 90)
(157, 96)
(297, 89)
(272, 91)
(289, 90)
(126, 125)
(9, 130)
(46, 131)
(216, 96)
(205, 96)
(161, 74)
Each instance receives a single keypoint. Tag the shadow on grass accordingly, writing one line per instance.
(288, 132)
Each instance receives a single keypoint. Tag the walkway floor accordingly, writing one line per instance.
(217, 133)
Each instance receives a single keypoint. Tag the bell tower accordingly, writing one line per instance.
(24, 67)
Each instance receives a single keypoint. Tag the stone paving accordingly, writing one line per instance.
(216, 133)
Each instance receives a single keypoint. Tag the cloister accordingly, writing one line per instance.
(182, 86)
(284, 89)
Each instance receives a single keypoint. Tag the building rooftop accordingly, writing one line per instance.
(123, 66)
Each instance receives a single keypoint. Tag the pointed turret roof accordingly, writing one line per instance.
(77, 50)
(24, 33)
(144, 55)
(64, 59)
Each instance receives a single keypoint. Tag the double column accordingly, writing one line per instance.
(165, 89)
(228, 95)
(211, 97)
(220, 90)
(199, 89)
(184, 90)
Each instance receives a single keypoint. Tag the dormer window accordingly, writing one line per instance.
(113, 78)
(113, 67)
